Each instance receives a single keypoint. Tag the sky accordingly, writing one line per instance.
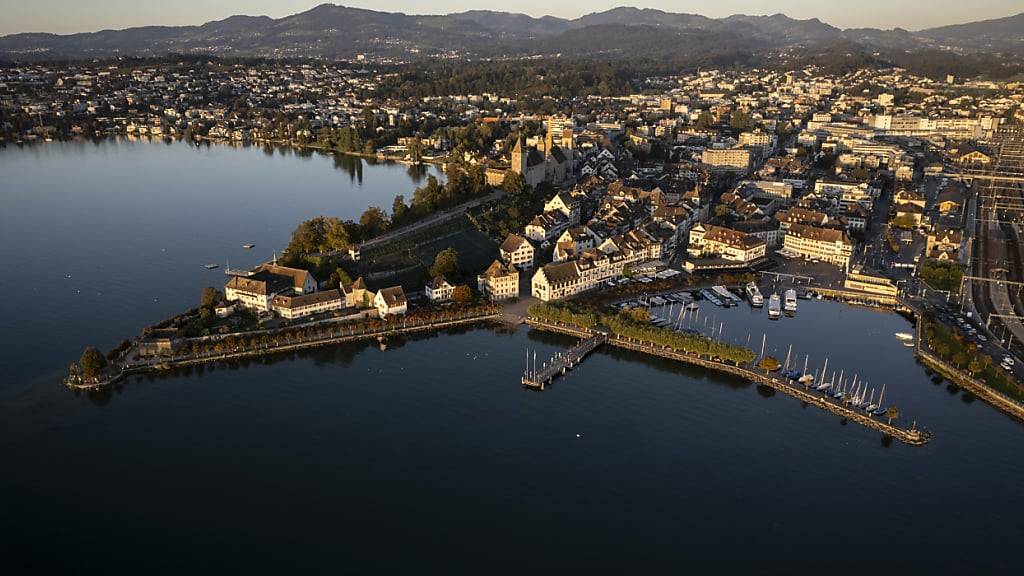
(67, 16)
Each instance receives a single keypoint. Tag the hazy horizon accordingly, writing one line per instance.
(73, 16)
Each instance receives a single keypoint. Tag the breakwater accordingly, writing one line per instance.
(911, 436)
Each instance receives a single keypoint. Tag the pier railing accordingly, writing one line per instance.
(562, 363)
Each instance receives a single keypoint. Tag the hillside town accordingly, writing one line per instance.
(860, 181)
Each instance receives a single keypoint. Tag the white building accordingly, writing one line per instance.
(256, 289)
(439, 290)
(499, 282)
(517, 251)
(390, 302)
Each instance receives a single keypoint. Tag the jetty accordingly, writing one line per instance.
(561, 362)
(911, 436)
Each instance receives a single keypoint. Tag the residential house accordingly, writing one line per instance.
(390, 302)
(517, 251)
(439, 289)
(499, 282)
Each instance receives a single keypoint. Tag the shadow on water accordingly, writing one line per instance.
(351, 165)
(417, 172)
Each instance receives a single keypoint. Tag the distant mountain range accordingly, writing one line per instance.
(331, 31)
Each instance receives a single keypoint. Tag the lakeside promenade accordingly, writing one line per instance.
(287, 344)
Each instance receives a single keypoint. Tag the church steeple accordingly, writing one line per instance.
(519, 156)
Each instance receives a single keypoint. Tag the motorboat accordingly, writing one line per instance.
(754, 295)
(774, 306)
(790, 303)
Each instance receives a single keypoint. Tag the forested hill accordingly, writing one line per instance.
(339, 32)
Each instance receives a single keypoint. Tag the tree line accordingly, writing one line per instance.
(632, 325)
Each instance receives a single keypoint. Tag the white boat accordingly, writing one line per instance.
(904, 336)
(212, 266)
(725, 294)
(790, 303)
(248, 246)
(658, 301)
(754, 295)
(774, 306)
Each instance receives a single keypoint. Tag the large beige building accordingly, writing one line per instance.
(715, 241)
(825, 244)
(737, 159)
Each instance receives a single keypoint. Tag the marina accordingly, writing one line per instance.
(854, 407)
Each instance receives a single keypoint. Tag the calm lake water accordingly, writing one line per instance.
(429, 456)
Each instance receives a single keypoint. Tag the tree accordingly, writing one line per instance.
(374, 222)
(92, 362)
(209, 298)
(462, 294)
(415, 148)
(513, 183)
(336, 235)
(904, 221)
(399, 211)
(721, 211)
(739, 120)
(892, 413)
(446, 263)
(705, 120)
(319, 234)
(975, 366)
(343, 278)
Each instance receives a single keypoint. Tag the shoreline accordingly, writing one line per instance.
(233, 143)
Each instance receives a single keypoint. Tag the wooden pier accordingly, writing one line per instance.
(560, 363)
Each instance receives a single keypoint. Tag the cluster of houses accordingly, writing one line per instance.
(294, 293)
(591, 234)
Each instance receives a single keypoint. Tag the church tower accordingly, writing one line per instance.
(519, 157)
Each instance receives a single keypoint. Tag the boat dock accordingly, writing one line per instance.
(560, 363)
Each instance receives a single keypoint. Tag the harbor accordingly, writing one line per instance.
(847, 410)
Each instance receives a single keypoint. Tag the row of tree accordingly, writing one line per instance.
(634, 324)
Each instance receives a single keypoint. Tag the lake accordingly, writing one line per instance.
(101, 239)
(429, 456)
